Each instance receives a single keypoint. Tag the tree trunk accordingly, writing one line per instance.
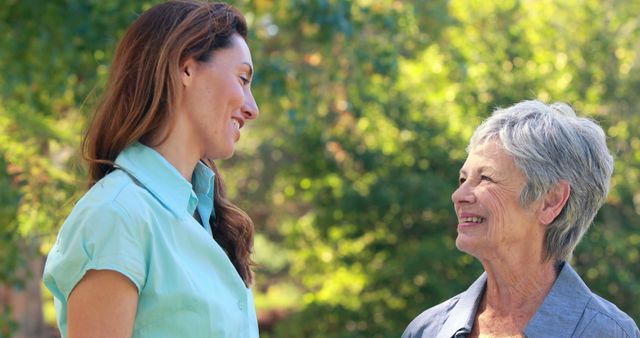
(26, 303)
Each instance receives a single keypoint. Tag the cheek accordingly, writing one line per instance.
(498, 204)
(492, 200)
(239, 96)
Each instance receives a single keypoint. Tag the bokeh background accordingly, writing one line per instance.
(366, 108)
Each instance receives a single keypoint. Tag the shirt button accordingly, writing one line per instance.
(240, 305)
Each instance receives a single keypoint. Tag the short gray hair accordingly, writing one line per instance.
(549, 143)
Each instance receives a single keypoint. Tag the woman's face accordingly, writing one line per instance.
(217, 100)
(491, 220)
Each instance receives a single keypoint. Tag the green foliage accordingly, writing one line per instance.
(52, 55)
(366, 108)
(363, 130)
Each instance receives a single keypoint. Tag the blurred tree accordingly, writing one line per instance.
(367, 107)
(52, 55)
(374, 104)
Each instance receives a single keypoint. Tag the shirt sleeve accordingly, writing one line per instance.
(97, 237)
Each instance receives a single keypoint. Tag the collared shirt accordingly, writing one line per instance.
(569, 310)
(138, 220)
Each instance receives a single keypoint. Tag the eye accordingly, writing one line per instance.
(244, 80)
(485, 178)
(461, 180)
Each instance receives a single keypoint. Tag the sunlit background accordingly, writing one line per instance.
(366, 108)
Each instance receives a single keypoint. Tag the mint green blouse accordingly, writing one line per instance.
(138, 220)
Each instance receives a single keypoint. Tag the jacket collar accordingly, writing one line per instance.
(568, 293)
(562, 309)
(463, 313)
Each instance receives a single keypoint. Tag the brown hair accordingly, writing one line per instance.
(141, 90)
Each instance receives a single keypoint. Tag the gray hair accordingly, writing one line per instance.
(549, 143)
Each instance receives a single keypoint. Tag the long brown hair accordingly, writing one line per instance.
(141, 91)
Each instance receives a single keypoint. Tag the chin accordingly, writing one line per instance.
(466, 245)
(227, 155)
(220, 155)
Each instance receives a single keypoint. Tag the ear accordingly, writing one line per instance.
(187, 70)
(553, 202)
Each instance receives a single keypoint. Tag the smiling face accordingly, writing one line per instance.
(491, 220)
(216, 100)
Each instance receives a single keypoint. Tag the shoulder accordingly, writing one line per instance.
(105, 230)
(603, 317)
(115, 195)
(429, 322)
(593, 315)
(114, 212)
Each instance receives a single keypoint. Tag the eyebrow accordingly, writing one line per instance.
(482, 169)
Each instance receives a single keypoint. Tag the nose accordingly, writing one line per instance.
(250, 109)
(464, 194)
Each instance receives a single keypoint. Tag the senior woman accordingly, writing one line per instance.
(533, 181)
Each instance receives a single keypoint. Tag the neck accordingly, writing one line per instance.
(517, 287)
(182, 160)
(175, 142)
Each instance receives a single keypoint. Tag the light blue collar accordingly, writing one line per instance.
(203, 179)
(165, 182)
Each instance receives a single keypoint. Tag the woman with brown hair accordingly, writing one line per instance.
(154, 248)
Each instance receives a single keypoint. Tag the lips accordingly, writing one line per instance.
(238, 122)
(472, 219)
(468, 219)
